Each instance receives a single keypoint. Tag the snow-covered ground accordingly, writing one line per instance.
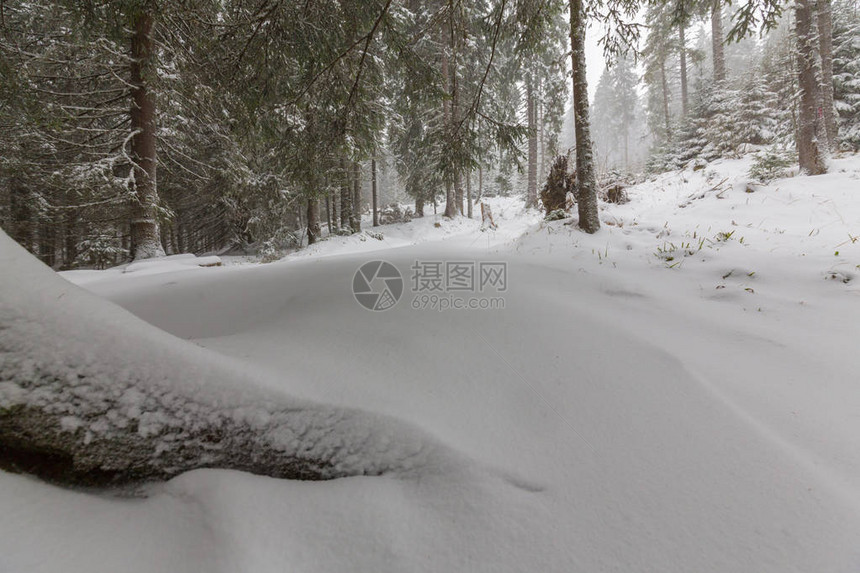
(678, 392)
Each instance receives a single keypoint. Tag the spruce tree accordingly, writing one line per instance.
(846, 71)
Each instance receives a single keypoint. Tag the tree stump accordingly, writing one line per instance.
(487, 221)
(559, 184)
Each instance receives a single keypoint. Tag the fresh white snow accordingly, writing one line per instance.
(678, 392)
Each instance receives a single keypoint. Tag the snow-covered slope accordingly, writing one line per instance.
(758, 293)
(643, 415)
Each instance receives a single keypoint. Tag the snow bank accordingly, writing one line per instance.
(510, 213)
(91, 394)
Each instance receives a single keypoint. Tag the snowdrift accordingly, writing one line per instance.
(91, 395)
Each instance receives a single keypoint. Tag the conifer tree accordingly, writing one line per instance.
(812, 143)
(846, 71)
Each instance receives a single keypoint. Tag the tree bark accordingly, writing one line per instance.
(589, 220)
(531, 188)
(374, 192)
(812, 135)
(314, 231)
(450, 201)
(458, 190)
(145, 237)
(825, 38)
(717, 41)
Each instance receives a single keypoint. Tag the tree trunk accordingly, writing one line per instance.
(47, 242)
(480, 183)
(587, 195)
(21, 213)
(469, 194)
(346, 217)
(458, 191)
(450, 200)
(374, 192)
(70, 238)
(717, 41)
(181, 233)
(542, 143)
(328, 210)
(825, 37)
(419, 206)
(168, 239)
(335, 212)
(531, 188)
(487, 221)
(683, 53)
(450, 197)
(812, 135)
(667, 118)
(458, 174)
(145, 238)
(356, 197)
(455, 113)
(314, 231)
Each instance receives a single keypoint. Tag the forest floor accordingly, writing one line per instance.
(678, 392)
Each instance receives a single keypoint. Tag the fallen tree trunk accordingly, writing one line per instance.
(93, 396)
(36, 441)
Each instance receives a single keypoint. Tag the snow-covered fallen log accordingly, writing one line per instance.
(171, 262)
(91, 395)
